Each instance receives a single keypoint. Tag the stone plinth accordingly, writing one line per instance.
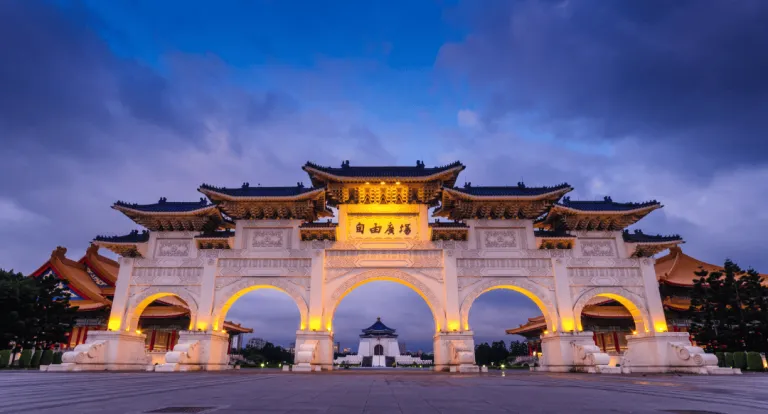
(314, 351)
(455, 352)
(573, 351)
(197, 350)
(661, 352)
(107, 350)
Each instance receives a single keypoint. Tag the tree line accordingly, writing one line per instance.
(269, 354)
(34, 312)
(729, 310)
(497, 352)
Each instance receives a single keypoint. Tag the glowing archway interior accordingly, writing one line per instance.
(637, 315)
(335, 304)
(551, 324)
(133, 322)
(218, 323)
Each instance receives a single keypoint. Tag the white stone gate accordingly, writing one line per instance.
(557, 252)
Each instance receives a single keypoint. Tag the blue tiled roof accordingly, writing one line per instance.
(553, 234)
(247, 191)
(375, 172)
(639, 237)
(607, 204)
(133, 237)
(378, 327)
(166, 206)
(218, 234)
(319, 225)
(519, 190)
(448, 224)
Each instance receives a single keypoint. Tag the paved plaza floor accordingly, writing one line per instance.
(259, 391)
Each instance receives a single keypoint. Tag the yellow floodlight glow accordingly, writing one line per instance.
(546, 332)
(382, 183)
(568, 324)
(138, 331)
(201, 326)
(113, 324)
(398, 182)
(453, 326)
(660, 326)
(367, 183)
(315, 324)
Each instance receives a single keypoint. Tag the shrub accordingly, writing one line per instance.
(740, 360)
(754, 361)
(47, 357)
(728, 360)
(35, 363)
(5, 358)
(25, 359)
(720, 359)
(57, 357)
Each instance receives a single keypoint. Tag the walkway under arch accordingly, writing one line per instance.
(139, 302)
(391, 275)
(532, 291)
(228, 295)
(633, 303)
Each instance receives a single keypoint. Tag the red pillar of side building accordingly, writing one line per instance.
(152, 340)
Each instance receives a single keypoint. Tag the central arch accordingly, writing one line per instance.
(228, 295)
(543, 299)
(397, 276)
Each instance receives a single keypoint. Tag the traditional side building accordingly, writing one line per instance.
(611, 322)
(91, 281)
(559, 252)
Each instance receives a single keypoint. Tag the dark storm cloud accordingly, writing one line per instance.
(687, 74)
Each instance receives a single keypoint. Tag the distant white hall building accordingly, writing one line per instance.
(379, 348)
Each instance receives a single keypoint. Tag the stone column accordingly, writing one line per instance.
(119, 317)
(314, 343)
(204, 318)
(450, 295)
(564, 320)
(658, 320)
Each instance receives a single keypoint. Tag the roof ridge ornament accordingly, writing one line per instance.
(345, 164)
(246, 185)
(608, 199)
(162, 200)
(521, 184)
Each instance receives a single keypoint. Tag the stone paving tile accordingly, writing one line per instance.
(380, 392)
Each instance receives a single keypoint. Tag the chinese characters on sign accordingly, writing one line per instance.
(405, 229)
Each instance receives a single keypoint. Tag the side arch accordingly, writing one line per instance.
(138, 302)
(228, 295)
(542, 298)
(397, 276)
(634, 303)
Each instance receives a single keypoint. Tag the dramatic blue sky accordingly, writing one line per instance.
(135, 100)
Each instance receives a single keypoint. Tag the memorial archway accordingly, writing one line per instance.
(396, 276)
(536, 294)
(632, 302)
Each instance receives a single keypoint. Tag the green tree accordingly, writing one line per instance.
(17, 308)
(55, 315)
(483, 354)
(33, 310)
(728, 310)
(499, 352)
(518, 348)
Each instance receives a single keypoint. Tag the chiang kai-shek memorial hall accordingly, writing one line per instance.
(560, 253)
